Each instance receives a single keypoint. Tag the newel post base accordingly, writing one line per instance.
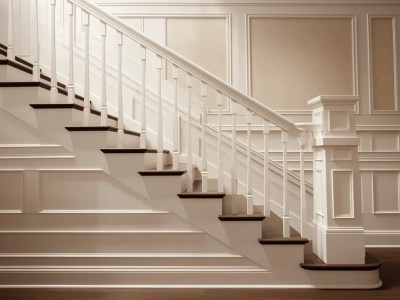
(338, 233)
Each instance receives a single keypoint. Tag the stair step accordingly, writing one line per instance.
(130, 150)
(20, 84)
(283, 241)
(166, 171)
(241, 217)
(100, 128)
(67, 105)
(197, 193)
(340, 267)
(16, 65)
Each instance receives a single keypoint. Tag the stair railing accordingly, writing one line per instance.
(193, 72)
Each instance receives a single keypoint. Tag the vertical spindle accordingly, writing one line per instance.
(175, 150)
(10, 36)
(233, 162)
(53, 82)
(86, 93)
(71, 82)
(35, 42)
(143, 118)
(220, 154)
(249, 195)
(103, 75)
(285, 202)
(204, 174)
(120, 141)
(303, 208)
(267, 204)
(159, 119)
(189, 134)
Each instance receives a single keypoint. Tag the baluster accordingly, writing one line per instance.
(53, 82)
(120, 142)
(220, 155)
(35, 41)
(175, 150)
(249, 169)
(103, 75)
(160, 147)
(303, 207)
(267, 205)
(286, 217)
(86, 93)
(233, 162)
(71, 82)
(189, 134)
(143, 119)
(204, 174)
(10, 37)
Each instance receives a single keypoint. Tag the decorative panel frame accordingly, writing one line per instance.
(396, 87)
(350, 213)
(354, 39)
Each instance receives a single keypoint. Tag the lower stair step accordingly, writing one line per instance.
(283, 241)
(241, 217)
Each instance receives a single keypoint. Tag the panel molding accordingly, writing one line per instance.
(354, 38)
(396, 87)
(335, 213)
(374, 201)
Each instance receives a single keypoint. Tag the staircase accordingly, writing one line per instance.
(87, 201)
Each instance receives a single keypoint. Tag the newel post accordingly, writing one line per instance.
(338, 233)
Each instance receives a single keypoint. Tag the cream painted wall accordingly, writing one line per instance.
(203, 41)
(295, 59)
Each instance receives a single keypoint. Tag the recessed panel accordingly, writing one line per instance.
(293, 60)
(382, 57)
(343, 194)
(386, 191)
(12, 191)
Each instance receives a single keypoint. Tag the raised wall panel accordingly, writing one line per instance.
(203, 40)
(382, 58)
(339, 121)
(386, 191)
(84, 191)
(383, 141)
(343, 194)
(12, 191)
(294, 59)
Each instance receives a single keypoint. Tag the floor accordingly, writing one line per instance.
(390, 275)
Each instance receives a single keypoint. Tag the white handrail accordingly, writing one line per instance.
(202, 74)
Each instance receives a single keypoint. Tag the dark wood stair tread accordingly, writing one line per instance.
(67, 105)
(100, 128)
(283, 241)
(341, 267)
(166, 171)
(241, 217)
(130, 150)
(20, 84)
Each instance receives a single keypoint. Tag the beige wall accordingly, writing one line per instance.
(295, 59)
(382, 58)
(203, 40)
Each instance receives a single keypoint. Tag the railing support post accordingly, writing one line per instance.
(204, 174)
(189, 169)
(70, 87)
(338, 233)
(267, 204)
(35, 41)
(249, 171)
(220, 148)
(53, 83)
(120, 142)
(285, 200)
(175, 150)
(103, 75)
(10, 36)
(143, 120)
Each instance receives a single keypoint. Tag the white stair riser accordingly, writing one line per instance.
(11, 74)
(112, 242)
(156, 260)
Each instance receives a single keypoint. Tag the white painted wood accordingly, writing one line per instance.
(86, 92)
(249, 183)
(143, 115)
(267, 193)
(160, 137)
(204, 174)
(71, 80)
(303, 203)
(10, 37)
(234, 150)
(53, 83)
(35, 41)
(175, 146)
(285, 200)
(189, 164)
(220, 154)
(120, 140)
(103, 121)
